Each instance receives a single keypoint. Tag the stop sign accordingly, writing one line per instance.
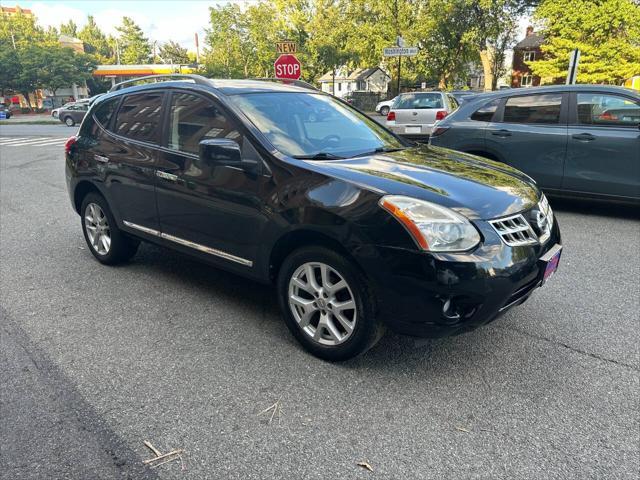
(287, 66)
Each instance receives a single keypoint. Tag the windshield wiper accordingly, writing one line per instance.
(318, 156)
(381, 150)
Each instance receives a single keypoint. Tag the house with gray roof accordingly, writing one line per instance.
(359, 80)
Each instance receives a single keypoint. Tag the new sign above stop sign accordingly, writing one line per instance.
(288, 66)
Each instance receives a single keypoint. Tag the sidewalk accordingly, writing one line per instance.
(34, 118)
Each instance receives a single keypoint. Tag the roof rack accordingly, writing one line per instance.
(297, 83)
(199, 79)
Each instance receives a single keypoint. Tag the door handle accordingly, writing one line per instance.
(166, 176)
(501, 133)
(101, 158)
(583, 137)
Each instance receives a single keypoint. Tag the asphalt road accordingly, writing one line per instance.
(95, 360)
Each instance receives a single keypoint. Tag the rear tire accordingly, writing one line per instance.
(332, 315)
(69, 122)
(105, 240)
(384, 111)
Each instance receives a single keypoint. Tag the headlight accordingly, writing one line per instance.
(434, 228)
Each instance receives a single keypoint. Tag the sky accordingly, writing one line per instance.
(161, 20)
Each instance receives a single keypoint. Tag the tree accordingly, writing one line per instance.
(69, 28)
(134, 46)
(95, 41)
(10, 70)
(173, 52)
(607, 32)
(63, 67)
(28, 78)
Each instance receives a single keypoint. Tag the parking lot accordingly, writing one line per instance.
(95, 360)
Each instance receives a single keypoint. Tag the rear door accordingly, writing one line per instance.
(128, 153)
(530, 134)
(603, 155)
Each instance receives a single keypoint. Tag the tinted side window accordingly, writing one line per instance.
(612, 110)
(193, 119)
(139, 116)
(544, 108)
(486, 112)
(104, 112)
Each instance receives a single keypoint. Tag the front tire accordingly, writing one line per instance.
(327, 304)
(384, 111)
(69, 122)
(105, 240)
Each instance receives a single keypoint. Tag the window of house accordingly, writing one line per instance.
(139, 116)
(193, 119)
(527, 81)
(544, 108)
(339, 87)
(529, 56)
(612, 110)
(486, 112)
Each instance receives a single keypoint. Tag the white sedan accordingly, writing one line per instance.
(383, 107)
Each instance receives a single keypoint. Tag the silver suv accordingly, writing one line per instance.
(414, 114)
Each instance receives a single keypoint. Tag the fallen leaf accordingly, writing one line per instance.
(365, 465)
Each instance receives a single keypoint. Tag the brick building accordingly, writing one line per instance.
(527, 50)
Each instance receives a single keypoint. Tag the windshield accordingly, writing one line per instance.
(314, 125)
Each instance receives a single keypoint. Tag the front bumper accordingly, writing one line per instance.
(437, 295)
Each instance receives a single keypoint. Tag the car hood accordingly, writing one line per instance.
(475, 187)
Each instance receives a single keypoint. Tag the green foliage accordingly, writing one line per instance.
(70, 28)
(173, 52)
(133, 45)
(96, 42)
(61, 67)
(607, 32)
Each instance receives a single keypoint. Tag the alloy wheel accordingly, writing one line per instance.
(97, 228)
(322, 303)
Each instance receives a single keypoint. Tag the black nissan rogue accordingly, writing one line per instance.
(358, 229)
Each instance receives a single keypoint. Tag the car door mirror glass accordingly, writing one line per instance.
(219, 152)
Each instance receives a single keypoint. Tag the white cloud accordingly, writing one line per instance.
(160, 27)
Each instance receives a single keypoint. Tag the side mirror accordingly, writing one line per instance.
(220, 151)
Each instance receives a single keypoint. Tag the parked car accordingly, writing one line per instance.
(4, 111)
(383, 107)
(358, 229)
(463, 95)
(72, 114)
(575, 140)
(56, 111)
(414, 114)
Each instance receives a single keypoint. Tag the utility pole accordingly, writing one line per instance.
(13, 40)
(117, 52)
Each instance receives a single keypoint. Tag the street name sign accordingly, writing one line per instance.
(400, 51)
(288, 67)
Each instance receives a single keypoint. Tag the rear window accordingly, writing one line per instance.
(415, 101)
(486, 112)
(139, 116)
(105, 110)
(544, 108)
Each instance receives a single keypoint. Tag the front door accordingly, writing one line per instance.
(530, 134)
(213, 209)
(603, 155)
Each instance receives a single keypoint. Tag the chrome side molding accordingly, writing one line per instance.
(190, 244)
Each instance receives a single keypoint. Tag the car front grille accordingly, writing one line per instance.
(515, 230)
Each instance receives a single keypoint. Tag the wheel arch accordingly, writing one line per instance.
(82, 190)
(296, 239)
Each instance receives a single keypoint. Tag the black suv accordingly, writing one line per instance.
(358, 229)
